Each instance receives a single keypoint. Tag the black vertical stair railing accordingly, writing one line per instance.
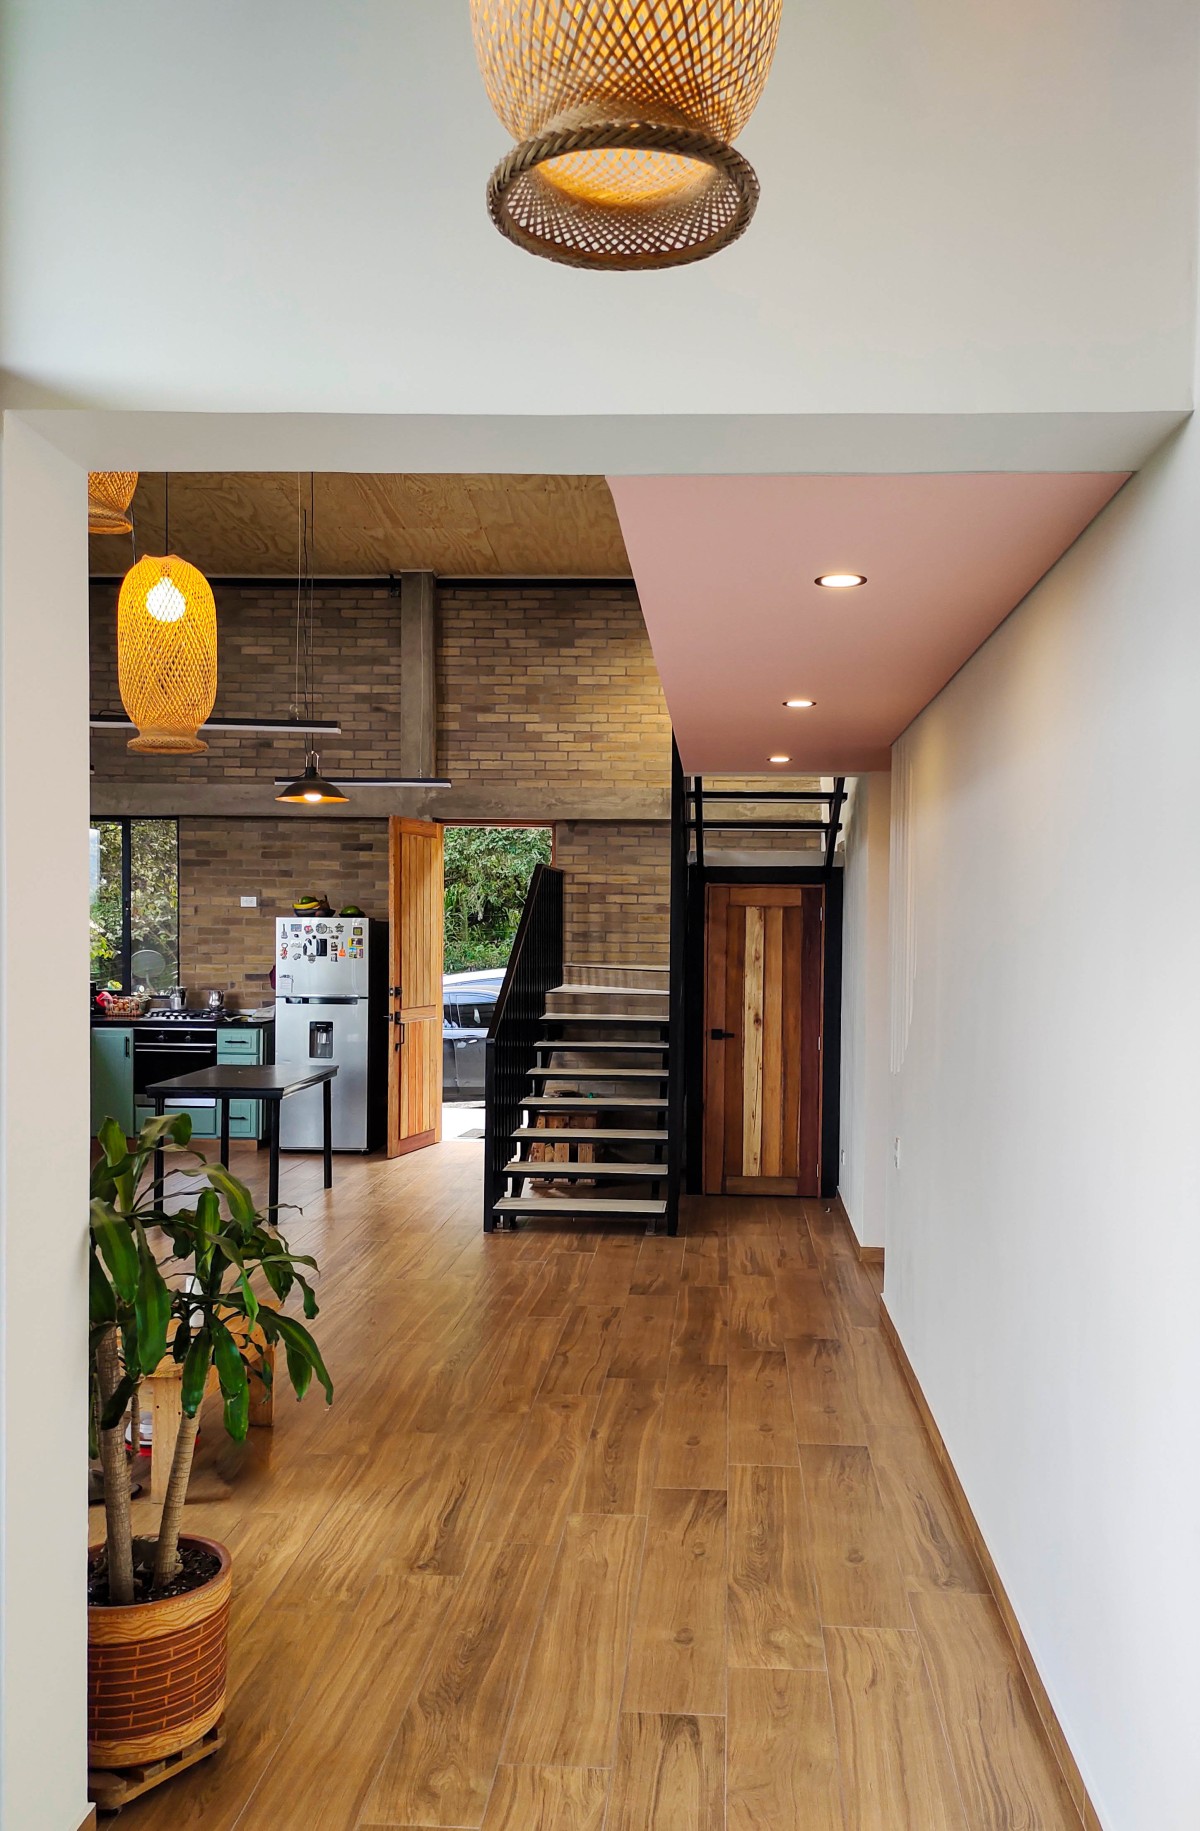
(677, 1002)
(535, 967)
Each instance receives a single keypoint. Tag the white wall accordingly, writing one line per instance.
(1043, 1235)
(865, 1087)
(279, 207)
(43, 1133)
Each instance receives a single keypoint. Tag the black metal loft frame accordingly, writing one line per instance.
(689, 807)
(535, 967)
(697, 824)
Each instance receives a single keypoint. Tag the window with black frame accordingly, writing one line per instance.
(134, 874)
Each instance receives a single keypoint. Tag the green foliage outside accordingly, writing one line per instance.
(487, 876)
(154, 901)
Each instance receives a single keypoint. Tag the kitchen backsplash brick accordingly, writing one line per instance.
(220, 861)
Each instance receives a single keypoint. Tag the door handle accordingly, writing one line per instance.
(721, 1036)
(399, 1022)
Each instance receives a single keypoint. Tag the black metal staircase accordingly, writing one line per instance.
(592, 1137)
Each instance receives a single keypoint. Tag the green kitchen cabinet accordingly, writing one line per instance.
(243, 1045)
(112, 1076)
(203, 1118)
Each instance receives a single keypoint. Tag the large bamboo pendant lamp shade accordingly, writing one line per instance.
(110, 493)
(167, 654)
(625, 111)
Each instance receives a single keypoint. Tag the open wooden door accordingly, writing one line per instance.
(415, 904)
(764, 991)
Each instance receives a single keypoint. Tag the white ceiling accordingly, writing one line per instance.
(279, 207)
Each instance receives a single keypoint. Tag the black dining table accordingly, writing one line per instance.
(271, 1083)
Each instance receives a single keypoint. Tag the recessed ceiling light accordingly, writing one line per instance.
(799, 704)
(840, 581)
(779, 759)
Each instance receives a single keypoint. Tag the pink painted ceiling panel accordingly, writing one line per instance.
(725, 569)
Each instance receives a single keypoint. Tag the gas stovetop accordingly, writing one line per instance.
(180, 1017)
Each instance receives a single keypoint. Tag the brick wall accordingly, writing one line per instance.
(356, 670)
(220, 943)
(550, 688)
(549, 704)
(618, 891)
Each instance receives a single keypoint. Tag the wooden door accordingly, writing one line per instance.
(415, 905)
(764, 987)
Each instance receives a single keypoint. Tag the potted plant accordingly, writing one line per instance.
(158, 1609)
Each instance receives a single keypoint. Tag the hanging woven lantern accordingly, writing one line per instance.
(110, 493)
(624, 110)
(167, 654)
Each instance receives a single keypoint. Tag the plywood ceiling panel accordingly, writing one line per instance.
(245, 524)
(725, 570)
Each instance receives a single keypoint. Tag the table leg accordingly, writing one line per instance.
(224, 1105)
(273, 1133)
(327, 1111)
(159, 1179)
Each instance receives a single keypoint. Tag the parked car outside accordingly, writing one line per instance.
(468, 1001)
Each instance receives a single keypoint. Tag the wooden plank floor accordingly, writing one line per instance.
(603, 1533)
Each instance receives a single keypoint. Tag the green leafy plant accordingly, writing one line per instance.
(208, 1315)
(487, 873)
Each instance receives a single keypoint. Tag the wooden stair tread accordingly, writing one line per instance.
(555, 1134)
(600, 1104)
(600, 1073)
(648, 1172)
(607, 1017)
(588, 1042)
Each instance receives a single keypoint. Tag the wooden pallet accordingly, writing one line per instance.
(110, 1788)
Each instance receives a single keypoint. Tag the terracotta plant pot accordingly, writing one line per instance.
(157, 1670)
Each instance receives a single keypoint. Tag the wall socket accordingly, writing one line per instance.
(896, 1152)
(249, 902)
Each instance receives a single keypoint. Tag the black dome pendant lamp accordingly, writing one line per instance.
(311, 789)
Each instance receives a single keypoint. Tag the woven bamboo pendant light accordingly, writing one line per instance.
(624, 111)
(110, 493)
(167, 654)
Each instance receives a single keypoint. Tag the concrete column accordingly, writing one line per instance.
(418, 674)
(44, 1106)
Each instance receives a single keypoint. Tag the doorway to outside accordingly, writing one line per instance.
(488, 869)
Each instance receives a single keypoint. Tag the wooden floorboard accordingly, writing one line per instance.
(602, 1533)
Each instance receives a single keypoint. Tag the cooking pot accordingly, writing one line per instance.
(178, 998)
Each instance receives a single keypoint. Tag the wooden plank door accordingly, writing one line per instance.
(764, 990)
(415, 913)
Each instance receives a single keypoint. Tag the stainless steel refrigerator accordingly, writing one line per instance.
(331, 1007)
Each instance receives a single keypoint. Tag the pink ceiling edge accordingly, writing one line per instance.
(725, 566)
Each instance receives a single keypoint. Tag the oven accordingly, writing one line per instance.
(163, 1048)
